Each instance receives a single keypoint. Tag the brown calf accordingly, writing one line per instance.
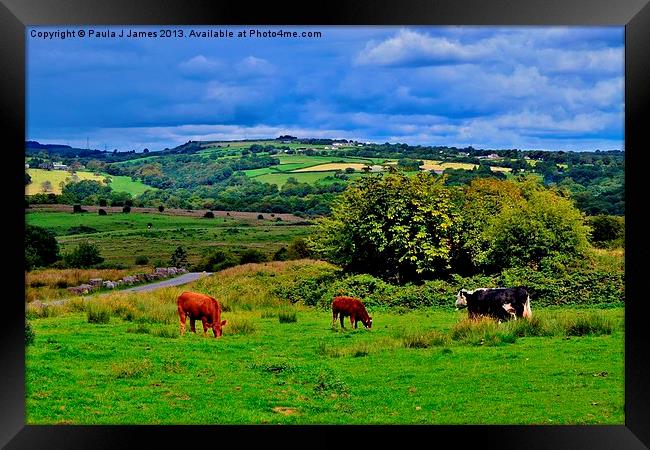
(349, 306)
(202, 307)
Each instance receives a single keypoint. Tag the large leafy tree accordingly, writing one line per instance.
(41, 248)
(515, 223)
(395, 226)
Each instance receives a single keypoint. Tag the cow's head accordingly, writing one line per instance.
(217, 328)
(368, 323)
(461, 300)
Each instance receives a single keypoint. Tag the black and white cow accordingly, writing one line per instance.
(499, 303)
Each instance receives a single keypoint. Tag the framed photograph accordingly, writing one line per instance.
(365, 220)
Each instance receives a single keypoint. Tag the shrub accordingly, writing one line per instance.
(103, 202)
(209, 215)
(260, 217)
(102, 212)
(98, 314)
(178, 258)
(141, 260)
(126, 209)
(298, 249)
(252, 255)
(161, 208)
(84, 256)
(281, 255)
(215, 261)
(78, 209)
(29, 333)
(606, 231)
(41, 247)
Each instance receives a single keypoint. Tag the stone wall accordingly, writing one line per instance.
(139, 278)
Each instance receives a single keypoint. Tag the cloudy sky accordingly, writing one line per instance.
(554, 88)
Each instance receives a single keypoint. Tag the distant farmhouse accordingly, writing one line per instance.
(59, 166)
(490, 156)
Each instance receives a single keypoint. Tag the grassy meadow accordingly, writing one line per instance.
(119, 359)
(56, 177)
(123, 237)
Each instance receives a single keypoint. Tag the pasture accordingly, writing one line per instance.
(425, 366)
(56, 177)
(122, 237)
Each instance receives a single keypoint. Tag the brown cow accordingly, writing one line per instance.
(350, 306)
(202, 307)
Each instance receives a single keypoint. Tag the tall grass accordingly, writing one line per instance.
(483, 331)
(63, 278)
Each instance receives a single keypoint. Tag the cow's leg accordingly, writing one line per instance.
(181, 314)
(342, 324)
(353, 322)
(334, 317)
(192, 324)
(205, 326)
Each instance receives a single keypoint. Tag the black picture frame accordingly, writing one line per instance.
(16, 15)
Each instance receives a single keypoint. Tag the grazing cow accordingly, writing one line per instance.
(202, 307)
(349, 306)
(500, 303)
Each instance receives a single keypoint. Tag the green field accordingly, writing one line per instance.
(122, 237)
(118, 184)
(290, 163)
(137, 370)
(121, 183)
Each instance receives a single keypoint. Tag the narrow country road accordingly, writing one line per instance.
(183, 279)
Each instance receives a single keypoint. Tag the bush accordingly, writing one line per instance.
(161, 208)
(606, 231)
(252, 255)
(209, 215)
(281, 255)
(78, 209)
(98, 314)
(101, 212)
(260, 217)
(298, 249)
(178, 258)
(141, 260)
(103, 202)
(84, 256)
(41, 247)
(215, 261)
(126, 209)
(29, 333)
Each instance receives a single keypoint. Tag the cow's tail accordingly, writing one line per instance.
(527, 312)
